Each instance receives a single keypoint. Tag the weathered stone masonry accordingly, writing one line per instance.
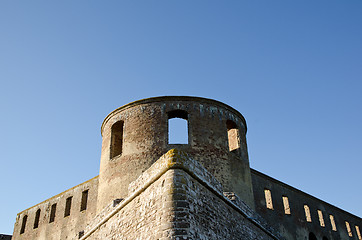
(181, 200)
(62, 226)
(148, 188)
(295, 224)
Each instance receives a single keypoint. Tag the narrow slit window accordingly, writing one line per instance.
(178, 127)
(268, 199)
(23, 224)
(286, 205)
(37, 218)
(116, 139)
(52, 213)
(321, 219)
(358, 233)
(349, 230)
(83, 205)
(68, 206)
(233, 135)
(333, 223)
(307, 213)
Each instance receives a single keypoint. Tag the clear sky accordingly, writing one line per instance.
(292, 68)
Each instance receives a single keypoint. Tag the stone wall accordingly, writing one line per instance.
(144, 217)
(205, 215)
(294, 225)
(63, 227)
(5, 237)
(176, 198)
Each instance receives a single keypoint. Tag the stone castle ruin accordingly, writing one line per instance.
(151, 188)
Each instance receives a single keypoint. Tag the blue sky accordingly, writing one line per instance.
(292, 68)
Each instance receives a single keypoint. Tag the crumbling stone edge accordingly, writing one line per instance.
(177, 159)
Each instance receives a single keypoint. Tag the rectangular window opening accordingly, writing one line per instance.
(268, 199)
(321, 219)
(333, 223)
(68, 205)
(83, 205)
(308, 217)
(233, 135)
(178, 127)
(52, 213)
(286, 205)
(116, 139)
(23, 224)
(37, 218)
(349, 230)
(358, 233)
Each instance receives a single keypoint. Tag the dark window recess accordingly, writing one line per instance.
(68, 205)
(117, 201)
(37, 218)
(23, 224)
(116, 139)
(233, 135)
(83, 205)
(52, 212)
(312, 236)
(178, 127)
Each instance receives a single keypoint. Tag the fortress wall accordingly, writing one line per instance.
(177, 206)
(176, 198)
(5, 237)
(144, 217)
(295, 224)
(63, 227)
(208, 215)
(149, 188)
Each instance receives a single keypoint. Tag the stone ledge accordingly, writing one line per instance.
(109, 208)
(175, 158)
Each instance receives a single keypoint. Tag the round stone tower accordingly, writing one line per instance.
(137, 134)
